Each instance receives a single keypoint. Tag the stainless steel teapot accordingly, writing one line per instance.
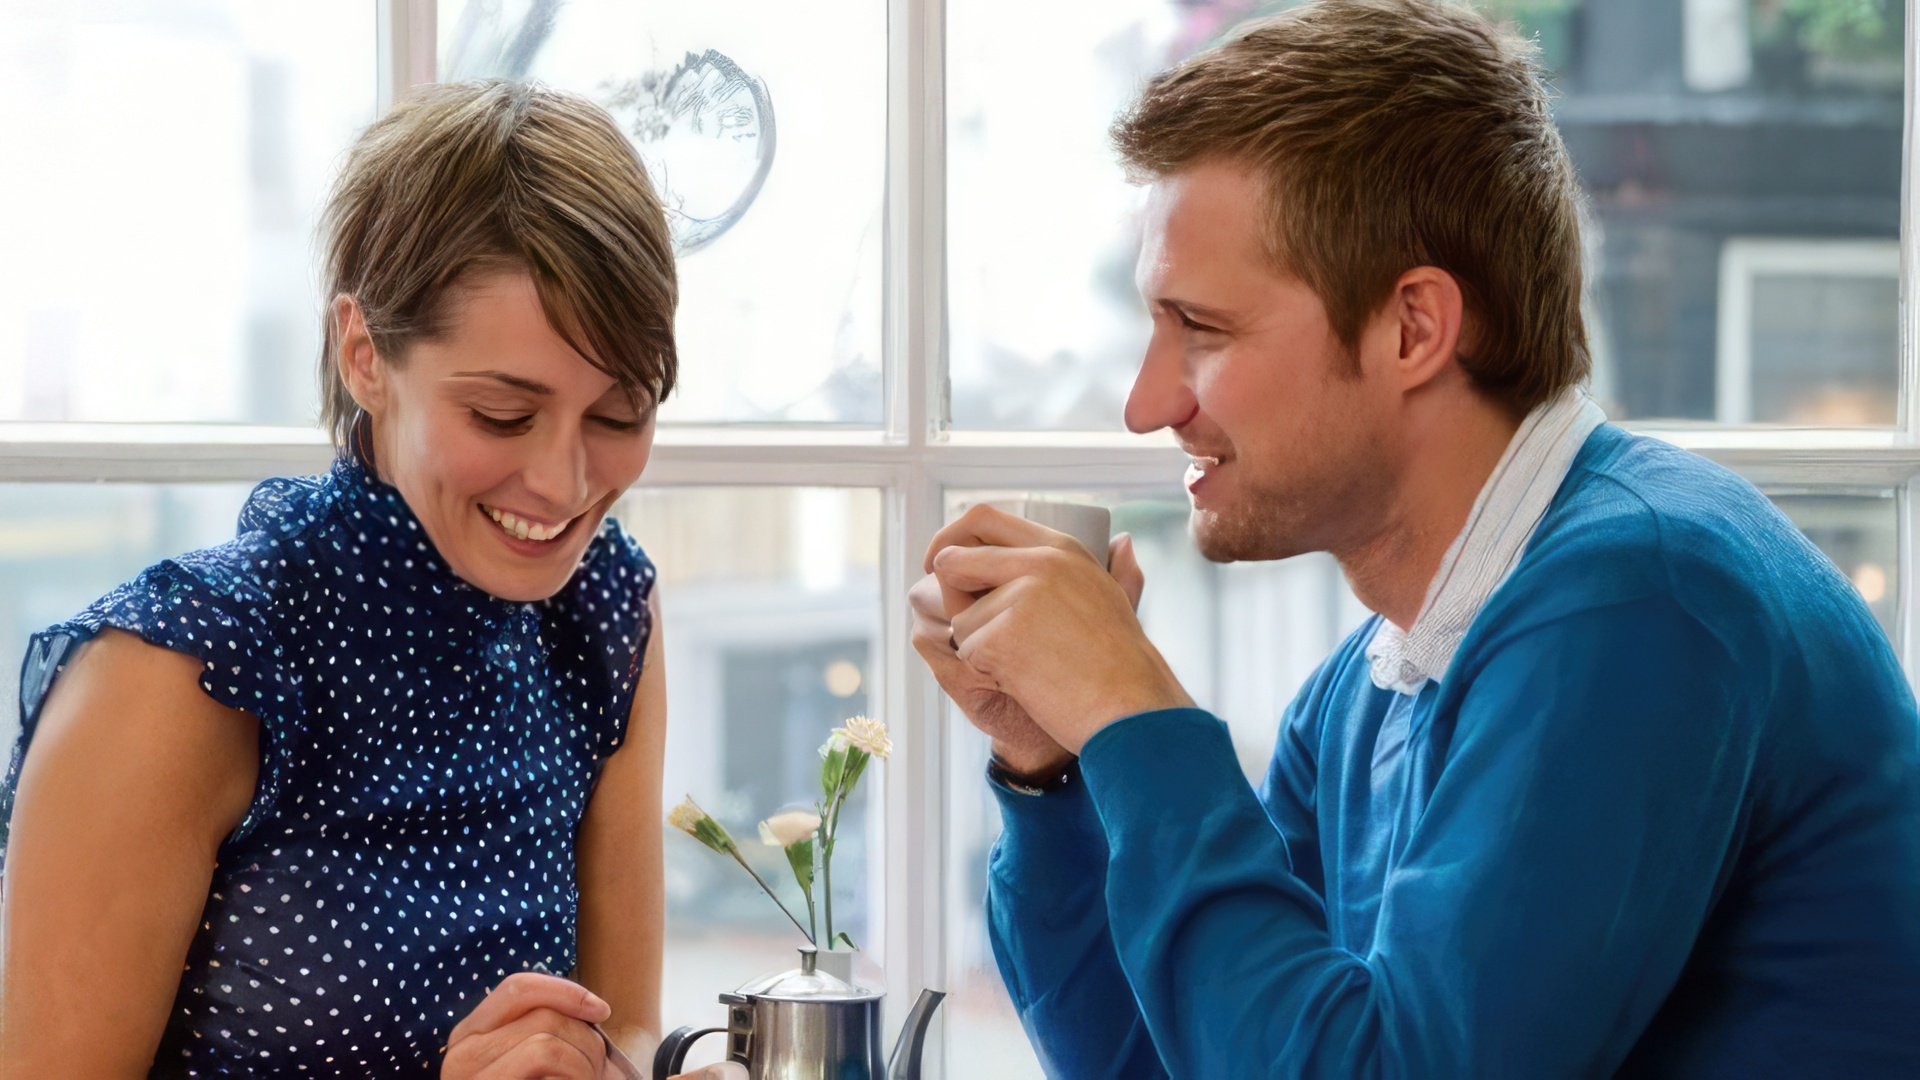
(805, 1024)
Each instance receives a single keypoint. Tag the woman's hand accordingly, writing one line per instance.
(531, 1027)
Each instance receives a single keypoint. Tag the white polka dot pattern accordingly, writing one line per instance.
(427, 753)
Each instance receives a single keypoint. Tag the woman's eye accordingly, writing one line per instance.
(501, 423)
(615, 424)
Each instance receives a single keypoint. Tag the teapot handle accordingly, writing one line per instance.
(672, 1055)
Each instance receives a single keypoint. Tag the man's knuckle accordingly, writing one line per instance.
(549, 1050)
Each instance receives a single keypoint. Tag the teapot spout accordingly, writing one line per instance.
(905, 1062)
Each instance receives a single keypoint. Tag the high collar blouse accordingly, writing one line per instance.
(427, 751)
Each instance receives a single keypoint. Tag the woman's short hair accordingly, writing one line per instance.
(466, 179)
(1391, 134)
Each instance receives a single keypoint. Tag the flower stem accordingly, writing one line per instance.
(811, 940)
(826, 878)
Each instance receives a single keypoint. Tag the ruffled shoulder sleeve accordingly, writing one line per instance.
(212, 605)
(602, 622)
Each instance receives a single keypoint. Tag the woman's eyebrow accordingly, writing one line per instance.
(514, 381)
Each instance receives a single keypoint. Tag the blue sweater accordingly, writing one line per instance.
(1661, 817)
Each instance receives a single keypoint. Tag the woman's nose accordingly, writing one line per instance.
(556, 474)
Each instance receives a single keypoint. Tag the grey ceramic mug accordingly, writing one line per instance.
(1091, 525)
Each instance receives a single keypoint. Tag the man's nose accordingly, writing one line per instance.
(1160, 397)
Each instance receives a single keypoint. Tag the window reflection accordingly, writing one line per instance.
(771, 608)
(1699, 128)
(174, 157)
(764, 127)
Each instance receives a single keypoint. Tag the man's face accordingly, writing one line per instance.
(1292, 446)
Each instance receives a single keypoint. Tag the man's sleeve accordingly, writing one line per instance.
(1543, 908)
(1047, 911)
(1047, 918)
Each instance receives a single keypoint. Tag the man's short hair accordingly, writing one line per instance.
(1392, 134)
(466, 179)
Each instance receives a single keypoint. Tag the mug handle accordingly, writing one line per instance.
(672, 1055)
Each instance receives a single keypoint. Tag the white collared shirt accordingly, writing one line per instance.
(1504, 515)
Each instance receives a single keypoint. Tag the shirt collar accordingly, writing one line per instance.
(1504, 516)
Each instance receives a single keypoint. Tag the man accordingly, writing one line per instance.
(1622, 778)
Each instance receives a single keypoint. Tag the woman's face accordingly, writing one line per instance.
(506, 443)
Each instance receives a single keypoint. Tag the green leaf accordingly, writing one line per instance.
(857, 760)
(833, 765)
(840, 937)
(800, 857)
(714, 835)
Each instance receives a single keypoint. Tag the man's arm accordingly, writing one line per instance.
(1047, 918)
(1545, 904)
(1047, 910)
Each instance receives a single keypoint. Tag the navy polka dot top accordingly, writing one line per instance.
(427, 751)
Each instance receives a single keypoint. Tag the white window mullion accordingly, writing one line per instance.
(915, 836)
(914, 832)
(408, 42)
(1909, 381)
(1907, 610)
(157, 453)
(1907, 627)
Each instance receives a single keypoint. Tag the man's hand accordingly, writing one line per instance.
(1017, 740)
(1045, 638)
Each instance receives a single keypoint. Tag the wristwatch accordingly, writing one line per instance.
(1040, 783)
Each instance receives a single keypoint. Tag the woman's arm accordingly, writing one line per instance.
(135, 778)
(622, 899)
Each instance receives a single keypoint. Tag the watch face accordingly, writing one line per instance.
(998, 773)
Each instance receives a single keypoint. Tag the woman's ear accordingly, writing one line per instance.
(355, 357)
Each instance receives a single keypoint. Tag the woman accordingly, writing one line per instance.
(314, 801)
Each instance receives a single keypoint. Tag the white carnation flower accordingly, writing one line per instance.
(686, 816)
(789, 827)
(865, 733)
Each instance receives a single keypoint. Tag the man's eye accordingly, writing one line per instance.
(1191, 325)
(501, 423)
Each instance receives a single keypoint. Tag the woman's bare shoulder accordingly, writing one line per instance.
(131, 715)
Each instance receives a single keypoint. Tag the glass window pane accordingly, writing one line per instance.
(174, 157)
(771, 600)
(1742, 158)
(62, 546)
(1861, 534)
(780, 304)
(1243, 638)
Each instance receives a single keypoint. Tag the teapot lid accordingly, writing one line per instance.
(807, 983)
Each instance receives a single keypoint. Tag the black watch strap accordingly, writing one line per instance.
(1058, 779)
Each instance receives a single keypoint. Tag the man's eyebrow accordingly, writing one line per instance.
(514, 381)
(1200, 310)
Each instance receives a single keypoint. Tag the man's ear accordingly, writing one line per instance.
(1431, 312)
(355, 357)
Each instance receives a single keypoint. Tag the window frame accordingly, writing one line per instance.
(915, 459)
